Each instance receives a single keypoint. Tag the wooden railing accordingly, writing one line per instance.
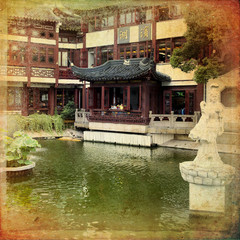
(173, 120)
(155, 120)
(118, 116)
(66, 74)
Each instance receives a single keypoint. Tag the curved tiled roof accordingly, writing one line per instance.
(34, 13)
(134, 68)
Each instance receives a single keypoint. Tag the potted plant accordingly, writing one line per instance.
(17, 150)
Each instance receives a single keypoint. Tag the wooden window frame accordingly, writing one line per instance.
(38, 63)
(134, 20)
(187, 99)
(14, 105)
(132, 45)
(18, 55)
(172, 42)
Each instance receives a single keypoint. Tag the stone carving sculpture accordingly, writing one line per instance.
(207, 169)
(209, 127)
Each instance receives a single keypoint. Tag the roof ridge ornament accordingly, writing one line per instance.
(126, 62)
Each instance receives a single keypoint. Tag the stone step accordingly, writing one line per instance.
(229, 138)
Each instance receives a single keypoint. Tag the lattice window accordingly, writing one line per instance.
(42, 72)
(14, 97)
(16, 53)
(51, 55)
(165, 48)
(43, 55)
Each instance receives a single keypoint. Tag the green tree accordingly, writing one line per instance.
(211, 47)
(69, 111)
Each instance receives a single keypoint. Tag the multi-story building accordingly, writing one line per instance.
(36, 57)
(131, 32)
(41, 40)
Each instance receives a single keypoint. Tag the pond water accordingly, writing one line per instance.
(111, 190)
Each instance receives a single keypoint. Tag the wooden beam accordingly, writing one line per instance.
(154, 30)
(145, 103)
(128, 97)
(51, 94)
(76, 97)
(87, 98)
(115, 48)
(102, 98)
(56, 50)
(84, 95)
(28, 56)
(140, 98)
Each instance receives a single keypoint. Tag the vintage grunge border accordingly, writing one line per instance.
(61, 234)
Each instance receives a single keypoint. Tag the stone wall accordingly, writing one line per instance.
(118, 138)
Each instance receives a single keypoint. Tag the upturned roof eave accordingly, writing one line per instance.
(145, 68)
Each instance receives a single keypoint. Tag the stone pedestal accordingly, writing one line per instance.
(207, 186)
(206, 198)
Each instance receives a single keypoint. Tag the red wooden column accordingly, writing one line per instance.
(128, 97)
(102, 98)
(77, 57)
(25, 101)
(84, 51)
(199, 96)
(154, 33)
(115, 47)
(140, 98)
(76, 97)
(51, 100)
(56, 54)
(55, 97)
(145, 104)
(84, 95)
(28, 53)
(87, 107)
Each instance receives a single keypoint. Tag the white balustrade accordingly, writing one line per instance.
(81, 116)
(156, 120)
(173, 120)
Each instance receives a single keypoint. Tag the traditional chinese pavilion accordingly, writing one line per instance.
(123, 91)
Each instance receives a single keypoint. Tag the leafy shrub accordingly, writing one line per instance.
(57, 123)
(69, 111)
(34, 123)
(17, 149)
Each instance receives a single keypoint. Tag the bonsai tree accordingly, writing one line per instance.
(68, 112)
(17, 149)
(211, 47)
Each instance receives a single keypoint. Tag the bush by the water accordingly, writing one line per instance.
(68, 112)
(35, 123)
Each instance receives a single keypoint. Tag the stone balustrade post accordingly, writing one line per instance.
(76, 115)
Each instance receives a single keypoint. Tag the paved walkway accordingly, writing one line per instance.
(223, 148)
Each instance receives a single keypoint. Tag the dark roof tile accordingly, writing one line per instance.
(120, 70)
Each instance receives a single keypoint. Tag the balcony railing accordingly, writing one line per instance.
(125, 117)
(66, 74)
(118, 116)
(173, 120)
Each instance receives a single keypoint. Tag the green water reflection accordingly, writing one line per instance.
(106, 186)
